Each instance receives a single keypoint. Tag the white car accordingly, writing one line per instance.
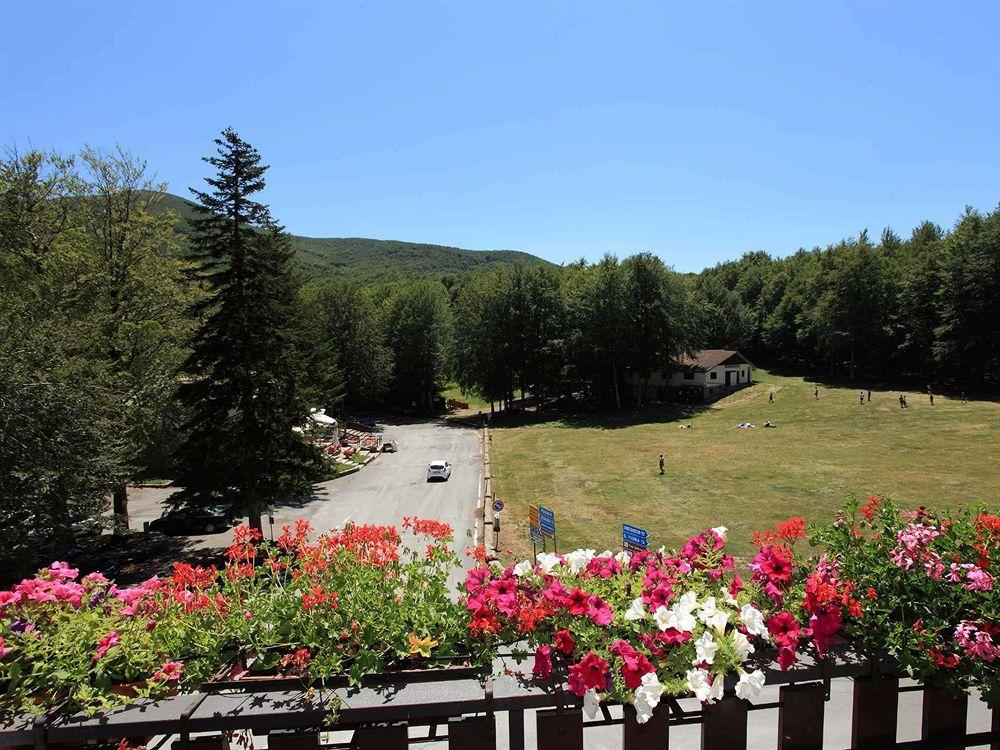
(438, 470)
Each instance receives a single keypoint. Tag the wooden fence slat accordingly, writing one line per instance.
(293, 740)
(800, 717)
(653, 735)
(876, 705)
(472, 733)
(515, 729)
(943, 715)
(381, 737)
(725, 725)
(559, 729)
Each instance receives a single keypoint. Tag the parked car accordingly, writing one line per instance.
(390, 446)
(211, 519)
(438, 470)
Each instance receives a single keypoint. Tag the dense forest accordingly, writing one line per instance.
(135, 338)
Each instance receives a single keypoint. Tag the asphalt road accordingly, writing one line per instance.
(392, 486)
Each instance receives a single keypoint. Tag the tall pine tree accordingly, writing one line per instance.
(248, 366)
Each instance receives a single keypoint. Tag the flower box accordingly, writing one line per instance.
(241, 676)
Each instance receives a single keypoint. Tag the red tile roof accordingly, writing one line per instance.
(706, 359)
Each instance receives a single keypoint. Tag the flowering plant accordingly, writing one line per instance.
(928, 584)
(356, 601)
(96, 645)
(810, 599)
(630, 627)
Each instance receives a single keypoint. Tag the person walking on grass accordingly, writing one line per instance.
(931, 394)
(662, 464)
(902, 401)
(816, 392)
(869, 394)
(770, 397)
(862, 395)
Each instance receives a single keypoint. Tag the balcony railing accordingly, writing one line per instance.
(463, 712)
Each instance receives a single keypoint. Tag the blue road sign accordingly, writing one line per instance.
(635, 536)
(498, 505)
(536, 534)
(547, 521)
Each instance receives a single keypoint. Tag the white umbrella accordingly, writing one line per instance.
(320, 415)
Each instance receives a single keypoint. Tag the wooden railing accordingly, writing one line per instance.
(464, 712)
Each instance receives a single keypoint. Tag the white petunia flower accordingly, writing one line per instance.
(623, 558)
(712, 616)
(753, 620)
(591, 702)
(548, 562)
(718, 688)
(662, 617)
(721, 531)
(677, 617)
(523, 568)
(688, 601)
(749, 684)
(742, 645)
(647, 697)
(705, 648)
(636, 611)
(578, 559)
(697, 683)
(606, 553)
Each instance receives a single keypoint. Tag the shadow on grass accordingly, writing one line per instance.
(603, 419)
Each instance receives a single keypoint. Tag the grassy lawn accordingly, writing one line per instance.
(596, 473)
(451, 390)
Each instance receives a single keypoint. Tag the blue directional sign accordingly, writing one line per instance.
(536, 534)
(634, 536)
(547, 521)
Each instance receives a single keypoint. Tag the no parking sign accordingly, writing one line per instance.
(498, 505)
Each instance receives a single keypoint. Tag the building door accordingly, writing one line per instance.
(729, 377)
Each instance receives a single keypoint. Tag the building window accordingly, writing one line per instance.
(689, 376)
(713, 375)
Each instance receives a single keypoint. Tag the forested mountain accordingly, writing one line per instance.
(363, 258)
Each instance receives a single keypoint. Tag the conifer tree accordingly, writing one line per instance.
(247, 369)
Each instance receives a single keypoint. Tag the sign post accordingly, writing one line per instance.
(535, 532)
(634, 539)
(547, 525)
(497, 507)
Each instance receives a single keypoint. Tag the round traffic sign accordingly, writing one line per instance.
(498, 505)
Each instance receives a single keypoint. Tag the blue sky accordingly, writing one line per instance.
(696, 131)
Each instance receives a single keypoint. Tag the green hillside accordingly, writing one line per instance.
(360, 257)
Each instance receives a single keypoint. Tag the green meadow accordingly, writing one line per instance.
(597, 472)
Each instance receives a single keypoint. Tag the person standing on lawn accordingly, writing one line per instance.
(662, 464)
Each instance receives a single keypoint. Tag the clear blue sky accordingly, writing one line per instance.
(696, 131)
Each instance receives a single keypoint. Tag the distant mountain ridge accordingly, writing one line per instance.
(368, 259)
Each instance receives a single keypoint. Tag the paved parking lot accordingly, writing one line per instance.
(390, 487)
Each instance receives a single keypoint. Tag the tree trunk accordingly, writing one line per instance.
(614, 377)
(120, 502)
(255, 521)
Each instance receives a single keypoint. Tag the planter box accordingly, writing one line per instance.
(237, 677)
